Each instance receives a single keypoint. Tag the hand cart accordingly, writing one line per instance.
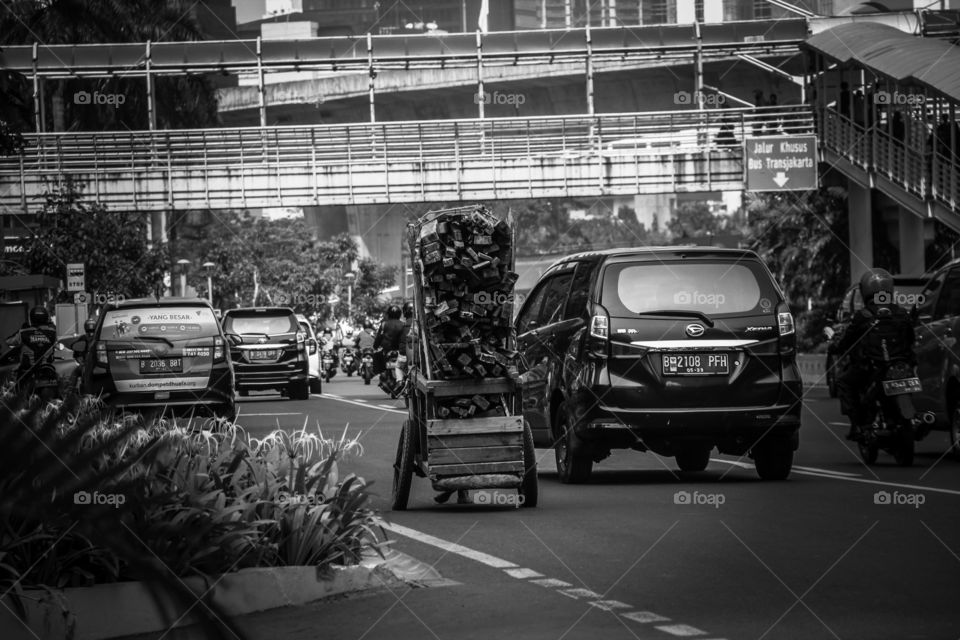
(458, 454)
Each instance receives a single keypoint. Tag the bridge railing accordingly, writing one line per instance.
(640, 135)
(909, 159)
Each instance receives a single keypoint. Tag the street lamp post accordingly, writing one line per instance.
(350, 277)
(183, 263)
(209, 267)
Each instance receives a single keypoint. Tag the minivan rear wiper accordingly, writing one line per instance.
(675, 313)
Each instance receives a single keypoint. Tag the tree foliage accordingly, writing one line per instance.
(801, 238)
(112, 244)
(259, 261)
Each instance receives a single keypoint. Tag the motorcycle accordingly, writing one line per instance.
(328, 365)
(348, 362)
(897, 425)
(393, 378)
(366, 366)
(43, 382)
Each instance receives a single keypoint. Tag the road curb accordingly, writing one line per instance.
(129, 609)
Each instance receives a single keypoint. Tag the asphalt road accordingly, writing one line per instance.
(627, 556)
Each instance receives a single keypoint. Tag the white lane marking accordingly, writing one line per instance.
(594, 598)
(736, 463)
(362, 400)
(839, 424)
(644, 617)
(552, 583)
(452, 547)
(523, 574)
(361, 403)
(581, 593)
(609, 605)
(881, 483)
(683, 630)
(387, 406)
(830, 471)
(251, 415)
(325, 395)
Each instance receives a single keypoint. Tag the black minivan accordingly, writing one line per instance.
(674, 350)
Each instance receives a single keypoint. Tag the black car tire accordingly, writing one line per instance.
(693, 458)
(227, 411)
(403, 468)
(529, 487)
(955, 433)
(573, 468)
(299, 391)
(316, 385)
(773, 459)
(831, 376)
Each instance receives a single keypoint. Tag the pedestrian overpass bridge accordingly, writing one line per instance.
(394, 162)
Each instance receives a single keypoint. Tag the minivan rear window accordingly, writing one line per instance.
(713, 288)
(269, 324)
(173, 323)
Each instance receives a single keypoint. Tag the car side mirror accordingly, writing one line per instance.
(311, 346)
(79, 348)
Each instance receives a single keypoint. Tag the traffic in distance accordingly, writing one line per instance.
(676, 350)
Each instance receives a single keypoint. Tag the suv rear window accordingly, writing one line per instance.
(269, 324)
(711, 287)
(174, 323)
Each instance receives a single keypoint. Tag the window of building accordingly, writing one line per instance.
(698, 10)
(762, 10)
(659, 12)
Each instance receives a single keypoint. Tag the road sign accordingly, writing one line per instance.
(81, 297)
(76, 280)
(781, 163)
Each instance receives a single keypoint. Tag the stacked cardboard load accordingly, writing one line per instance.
(466, 285)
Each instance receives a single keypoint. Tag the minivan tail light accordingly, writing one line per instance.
(219, 352)
(600, 326)
(101, 353)
(785, 322)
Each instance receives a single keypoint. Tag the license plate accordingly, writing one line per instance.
(162, 365)
(696, 364)
(262, 354)
(902, 386)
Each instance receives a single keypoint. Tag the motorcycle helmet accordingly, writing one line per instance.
(407, 309)
(39, 316)
(90, 326)
(876, 287)
(393, 312)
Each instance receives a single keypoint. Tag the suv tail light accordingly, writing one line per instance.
(599, 331)
(219, 352)
(101, 353)
(788, 331)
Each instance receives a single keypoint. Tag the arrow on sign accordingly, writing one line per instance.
(780, 179)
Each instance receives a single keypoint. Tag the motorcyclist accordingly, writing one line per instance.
(365, 338)
(90, 327)
(36, 342)
(407, 329)
(878, 332)
(391, 331)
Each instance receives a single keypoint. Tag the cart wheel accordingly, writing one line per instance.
(529, 488)
(403, 468)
